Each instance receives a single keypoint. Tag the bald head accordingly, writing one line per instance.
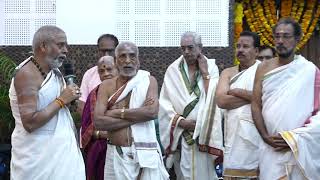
(106, 68)
(106, 60)
(127, 60)
(127, 45)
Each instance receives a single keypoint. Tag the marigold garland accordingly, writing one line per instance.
(238, 13)
(286, 6)
(262, 17)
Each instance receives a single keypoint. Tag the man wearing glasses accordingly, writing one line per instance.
(188, 110)
(284, 107)
(266, 52)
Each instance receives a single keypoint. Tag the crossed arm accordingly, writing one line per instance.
(111, 120)
(234, 98)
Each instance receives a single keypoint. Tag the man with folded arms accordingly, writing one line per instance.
(126, 106)
(92, 141)
(234, 94)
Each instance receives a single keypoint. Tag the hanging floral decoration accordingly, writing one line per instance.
(262, 16)
(238, 16)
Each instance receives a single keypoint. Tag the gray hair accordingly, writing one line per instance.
(126, 44)
(196, 37)
(105, 59)
(45, 34)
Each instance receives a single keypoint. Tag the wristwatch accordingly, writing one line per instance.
(207, 77)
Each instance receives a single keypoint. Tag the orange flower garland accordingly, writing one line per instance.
(286, 6)
(261, 19)
(238, 13)
(309, 33)
(238, 20)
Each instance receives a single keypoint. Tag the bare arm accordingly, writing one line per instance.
(103, 121)
(225, 100)
(241, 93)
(203, 67)
(145, 113)
(256, 105)
(275, 141)
(80, 107)
(187, 124)
(27, 84)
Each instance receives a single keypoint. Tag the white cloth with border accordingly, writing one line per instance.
(51, 151)
(146, 147)
(174, 97)
(241, 136)
(287, 98)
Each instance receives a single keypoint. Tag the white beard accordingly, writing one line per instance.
(54, 63)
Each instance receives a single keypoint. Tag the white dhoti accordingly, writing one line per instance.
(194, 161)
(109, 171)
(126, 165)
(290, 101)
(51, 151)
(241, 155)
(145, 152)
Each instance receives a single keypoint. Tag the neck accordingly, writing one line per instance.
(287, 60)
(123, 79)
(44, 66)
(191, 63)
(243, 66)
(192, 66)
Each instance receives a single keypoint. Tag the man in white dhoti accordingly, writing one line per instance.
(44, 144)
(234, 92)
(284, 107)
(188, 113)
(125, 107)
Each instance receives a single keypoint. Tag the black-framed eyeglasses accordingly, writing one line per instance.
(284, 37)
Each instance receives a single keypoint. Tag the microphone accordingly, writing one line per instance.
(69, 73)
(69, 77)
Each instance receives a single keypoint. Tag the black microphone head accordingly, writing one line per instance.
(69, 73)
(68, 69)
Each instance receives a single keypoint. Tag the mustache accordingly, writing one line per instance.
(109, 76)
(280, 46)
(128, 66)
(61, 57)
(240, 54)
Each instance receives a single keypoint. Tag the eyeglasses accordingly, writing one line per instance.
(284, 37)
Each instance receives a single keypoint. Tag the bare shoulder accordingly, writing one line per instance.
(27, 78)
(229, 72)
(153, 79)
(267, 66)
(108, 86)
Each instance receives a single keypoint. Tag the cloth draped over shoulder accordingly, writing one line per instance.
(175, 96)
(95, 149)
(290, 107)
(241, 155)
(51, 151)
(144, 134)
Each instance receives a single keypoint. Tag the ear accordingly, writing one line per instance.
(138, 65)
(257, 50)
(43, 46)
